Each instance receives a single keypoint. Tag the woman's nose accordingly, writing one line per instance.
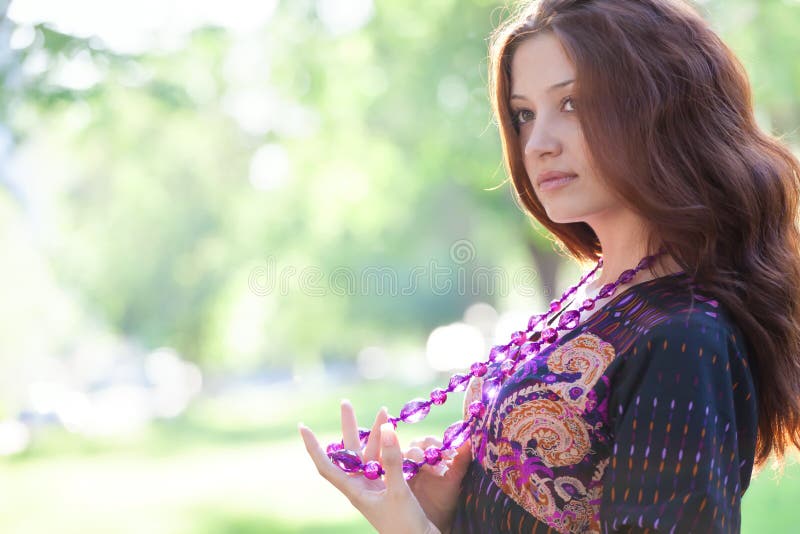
(541, 141)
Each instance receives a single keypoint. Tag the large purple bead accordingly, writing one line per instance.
(626, 276)
(588, 304)
(489, 389)
(455, 435)
(346, 460)
(363, 436)
(410, 468)
(415, 411)
(606, 290)
(549, 335)
(373, 470)
(569, 319)
(477, 409)
(478, 369)
(498, 353)
(458, 382)
(533, 321)
(433, 455)
(333, 447)
(438, 396)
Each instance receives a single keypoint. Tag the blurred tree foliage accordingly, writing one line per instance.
(179, 175)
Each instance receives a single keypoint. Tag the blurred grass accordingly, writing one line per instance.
(236, 465)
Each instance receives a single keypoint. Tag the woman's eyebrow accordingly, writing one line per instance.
(549, 89)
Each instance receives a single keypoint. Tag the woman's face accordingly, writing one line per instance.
(550, 133)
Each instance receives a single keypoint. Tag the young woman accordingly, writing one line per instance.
(628, 132)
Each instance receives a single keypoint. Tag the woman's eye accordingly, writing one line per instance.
(523, 115)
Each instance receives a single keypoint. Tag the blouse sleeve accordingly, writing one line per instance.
(682, 411)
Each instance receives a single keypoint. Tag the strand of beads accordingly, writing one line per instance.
(417, 409)
(502, 363)
(568, 320)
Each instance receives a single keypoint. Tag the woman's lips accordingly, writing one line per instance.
(555, 183)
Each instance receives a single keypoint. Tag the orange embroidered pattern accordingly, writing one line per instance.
(543, 426)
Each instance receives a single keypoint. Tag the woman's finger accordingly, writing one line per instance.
(427, 441)
(350, 427)
(373, 447)
(392, 460)
(419, 442)
(325, 467)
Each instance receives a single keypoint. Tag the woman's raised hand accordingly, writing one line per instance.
(388, 503)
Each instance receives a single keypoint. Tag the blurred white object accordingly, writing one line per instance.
(14, 437)
(455, 346)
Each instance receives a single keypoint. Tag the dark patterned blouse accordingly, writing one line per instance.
(642, 419)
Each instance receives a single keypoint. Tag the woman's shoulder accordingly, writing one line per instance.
(671, 309)
(683, 342)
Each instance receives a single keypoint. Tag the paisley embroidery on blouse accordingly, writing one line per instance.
(539, 433)
(587, 356)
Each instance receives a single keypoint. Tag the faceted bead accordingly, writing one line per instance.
(333, 447)
(363, 436)
(644, 263)
(373, 470)
(555, 306)
(489, 389)
(549, 335)
(626, 276)
(533, 321)
(458, 382)
(455, 435)
(588, 304)
(569, 319)
(433, 455)
(410, 468)
(606, 290)
(438, 396)
(346, 460)
(519, 337)
(507, 367)
(498, 353)
(415, 411)
(478, 369)
(477, 409)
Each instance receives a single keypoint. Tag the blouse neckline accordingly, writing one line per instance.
(607, 306)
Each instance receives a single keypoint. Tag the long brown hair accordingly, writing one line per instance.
(667, 113)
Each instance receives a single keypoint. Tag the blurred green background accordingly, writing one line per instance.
(219, 218)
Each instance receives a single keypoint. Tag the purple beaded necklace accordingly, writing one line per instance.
(502, 363)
